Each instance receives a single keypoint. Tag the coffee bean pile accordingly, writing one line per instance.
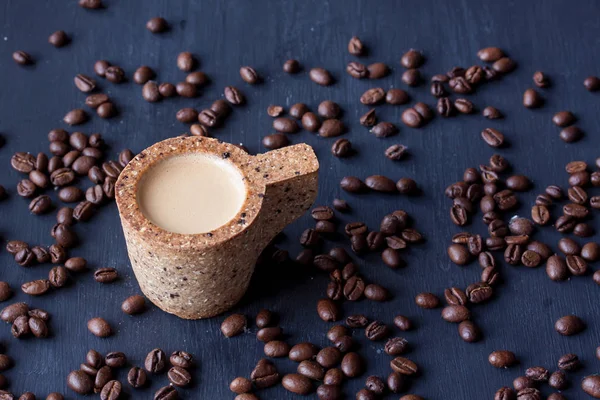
(529, 385)
(26, 321)
(328, 367)
(98, 374)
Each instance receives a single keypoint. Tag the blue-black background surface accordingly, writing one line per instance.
(559, 37)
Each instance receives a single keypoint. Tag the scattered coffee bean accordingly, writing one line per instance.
(569, 325)
(233, 325)
(99, 327)
(502, 359)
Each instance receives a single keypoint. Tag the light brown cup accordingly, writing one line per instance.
(202, 275)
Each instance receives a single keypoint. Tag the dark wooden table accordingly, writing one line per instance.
(560, 38)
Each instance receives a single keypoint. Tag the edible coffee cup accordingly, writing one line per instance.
(200, 275)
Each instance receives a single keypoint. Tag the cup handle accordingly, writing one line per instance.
(291, 179)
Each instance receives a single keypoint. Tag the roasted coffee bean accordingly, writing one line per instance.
(331, 128)
(136, 377)
(540, 215)
(591, 385)
(583, 229)
(354, 288)
(464, 106)
(455, 296)
(492, 137)
(133, 304)
(181, 359)
(376, 330)
(569, 325)
(106, 275)
(320, 76)
(384, 129)
(479, 292)
(99, 327)
(186, 61)
(356, 47)
(276, 348)
(186, 115)
(233, 325)
(20, 327)
(328, 357)
(23, 162)
(558, 380)
(396, 152)
(297, 383)
(357, 70)
(518, 183)
(303, 351)
(309, 238)
(460, 85)
(372, 96)
(455, 313)
(571, 134)
(58, 39)
(58, 276)
(36, 288)
(437, 89)
(157, 25)
(575, 210)
(25, 257)
(80, 382)
(240, 385)
(58, 253)
(396, 97)
(445, 107)
(336, 332)
(380, 183)
(179, 377)
(106, 110)
(166, 393)
(111, 390)
(459, 254)
(568, 246)
(412, 59)
(427, 300)
(64, 235)
(352, 184)
(285, 125)
(411, 118)
(155, 361)
(341, 148)
(352, 365)
(563, 118)
(291, 66)
(114, 74)
(490, 54)
(22, 58)
(530, 259)
(95, 100)
(264, 374)
(404, 366)
(269, 334)
(333, 376)
(502, 359)
(576, 265)
(151, 93)
(115, 359)
(311, 370)
(84, 83)
(590, 251)
(412, 77)
(378, 70)
(275, 141)
(407, 186)
(234, 95)
(357, 321)
(569, 362)
(520, 226)
(532, 99)
(100, 67)
(328, 310)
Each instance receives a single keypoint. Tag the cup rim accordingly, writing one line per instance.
(126, 189)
